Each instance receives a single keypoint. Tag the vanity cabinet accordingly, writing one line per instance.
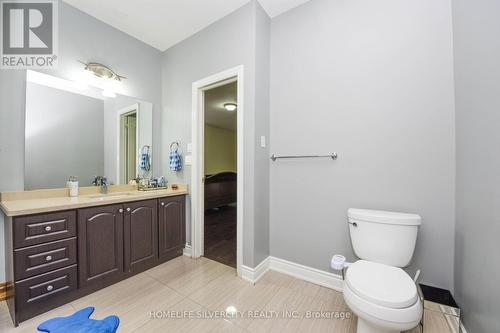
(116, 240)
(42, 228)
(100, 245)
(141, 235)
(53, 258)
(41, 262)
(172, 227)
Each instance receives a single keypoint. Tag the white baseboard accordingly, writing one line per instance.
(188, 250)
(253, 275)
(309, 274)
(247, 273)
(313, 275)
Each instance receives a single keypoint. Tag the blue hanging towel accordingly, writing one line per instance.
(175, 158)
(144, 162)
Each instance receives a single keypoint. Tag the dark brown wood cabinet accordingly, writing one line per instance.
(100, 244)
(41, 228)
(38, 259)
(39, 291)
(141, 235)
(56, 257)
(172, 227)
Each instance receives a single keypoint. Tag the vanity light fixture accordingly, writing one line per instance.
(102, 71)
(103, 77)
(230, 106)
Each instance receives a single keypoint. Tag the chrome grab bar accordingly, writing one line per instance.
(333, 156)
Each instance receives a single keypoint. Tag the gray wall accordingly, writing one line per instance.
(262, 128)
(12, 103)
(64, 137)
(230, 42)
(81, 37)
(372, 80)
(477, 76)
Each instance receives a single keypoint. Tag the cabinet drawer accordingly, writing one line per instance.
(46, 287)
(38, 229)
(38, 259)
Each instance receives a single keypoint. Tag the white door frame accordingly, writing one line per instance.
(197, 166)
(119, 113)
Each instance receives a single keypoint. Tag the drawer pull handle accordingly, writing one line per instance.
(48, 228)
(48, 258)
(163, 204)
(50, 288)
(120, 210)
(128, 209)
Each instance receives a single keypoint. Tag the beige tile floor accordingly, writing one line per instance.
(165, 298)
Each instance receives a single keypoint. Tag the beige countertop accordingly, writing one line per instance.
(41, 201)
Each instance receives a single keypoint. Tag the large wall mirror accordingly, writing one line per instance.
(77, 131)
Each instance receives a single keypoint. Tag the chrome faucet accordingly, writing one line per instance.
(102, 182)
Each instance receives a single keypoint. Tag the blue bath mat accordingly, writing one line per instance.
(80, 322)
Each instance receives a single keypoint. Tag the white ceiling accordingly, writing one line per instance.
(164, 23)
(215, 113)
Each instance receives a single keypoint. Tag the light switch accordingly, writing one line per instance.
(263, 141)
(189, 148)
(188, 159)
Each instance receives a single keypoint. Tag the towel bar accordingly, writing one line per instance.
(333, 156)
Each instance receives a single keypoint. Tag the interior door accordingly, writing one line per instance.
(128, 147)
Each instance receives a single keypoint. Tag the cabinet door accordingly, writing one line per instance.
(172, 227)
(100, 245)
(141, 235)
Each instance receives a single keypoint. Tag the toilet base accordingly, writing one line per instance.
(367, 327)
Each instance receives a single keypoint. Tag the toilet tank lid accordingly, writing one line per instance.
(379, 216)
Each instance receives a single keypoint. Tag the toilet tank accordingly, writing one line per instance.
(384, 237)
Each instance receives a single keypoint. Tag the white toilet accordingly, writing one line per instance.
(376, 289)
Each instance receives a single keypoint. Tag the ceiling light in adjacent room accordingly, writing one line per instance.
(230, 106)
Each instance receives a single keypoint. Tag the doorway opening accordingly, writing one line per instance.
(217, 170)
(220, 172)
(128, 146)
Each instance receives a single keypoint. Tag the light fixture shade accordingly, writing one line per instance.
(102, 71)
(230, 106)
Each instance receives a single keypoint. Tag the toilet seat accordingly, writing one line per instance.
(383, 295)
(381, 284)
(396, 319)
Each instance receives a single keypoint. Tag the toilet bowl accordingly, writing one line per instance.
(384, 298)
(376, 289)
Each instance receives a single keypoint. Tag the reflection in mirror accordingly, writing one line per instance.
(75, 131)
(130, 131)
(128, 145)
